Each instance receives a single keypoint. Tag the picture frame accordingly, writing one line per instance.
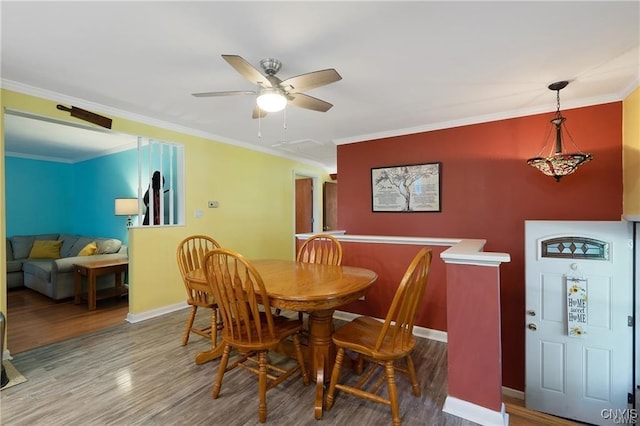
(406, 189)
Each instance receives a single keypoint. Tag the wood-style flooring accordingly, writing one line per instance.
(139, 374)
(34, 320)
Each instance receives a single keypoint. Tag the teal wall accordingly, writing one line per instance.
(97, 183)
(38, 198)
(50, 197)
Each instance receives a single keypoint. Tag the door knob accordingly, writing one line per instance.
(532, 326)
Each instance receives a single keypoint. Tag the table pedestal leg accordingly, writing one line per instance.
(322, 353)
(214, 353)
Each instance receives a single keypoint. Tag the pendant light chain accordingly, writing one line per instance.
(546, 139)
(566, 129)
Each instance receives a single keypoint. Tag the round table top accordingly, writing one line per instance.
(308, 286)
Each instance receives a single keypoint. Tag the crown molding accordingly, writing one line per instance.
(486, 118)
(104, 109)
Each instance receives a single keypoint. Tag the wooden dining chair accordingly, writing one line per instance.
(190, 254)
(319, 248)
(252, 331)
(383, 344)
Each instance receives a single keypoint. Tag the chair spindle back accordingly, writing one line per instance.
(321, 248)
(239, 292)
(398, 324)
(190, 255)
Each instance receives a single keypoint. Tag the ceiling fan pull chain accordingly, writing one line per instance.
(284, 118)
(259, 126)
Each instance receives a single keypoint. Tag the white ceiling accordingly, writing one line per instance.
(406, 67)
(39, 138)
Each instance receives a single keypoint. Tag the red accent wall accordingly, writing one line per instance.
(488, 191)
(474, 321)
(390, 262)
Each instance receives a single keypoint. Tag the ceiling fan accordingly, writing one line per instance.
(274, 94)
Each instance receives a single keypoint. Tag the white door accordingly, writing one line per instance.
(578, 304)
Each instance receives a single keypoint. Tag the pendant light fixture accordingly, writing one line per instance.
(559, 163)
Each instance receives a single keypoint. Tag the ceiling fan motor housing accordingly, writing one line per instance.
(271, 65)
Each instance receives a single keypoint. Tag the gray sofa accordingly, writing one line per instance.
(55, 277)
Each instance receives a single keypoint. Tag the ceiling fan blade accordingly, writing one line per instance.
(247, 70)
(310, 80)
(309, 102)
(229, 93)
(257, 112)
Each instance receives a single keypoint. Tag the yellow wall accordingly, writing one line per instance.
(255, 217)
(631, 153)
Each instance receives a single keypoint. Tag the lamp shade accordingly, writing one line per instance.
(126, 206)
(559, 164)
(271, 100)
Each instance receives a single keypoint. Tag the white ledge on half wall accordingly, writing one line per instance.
(465, 251)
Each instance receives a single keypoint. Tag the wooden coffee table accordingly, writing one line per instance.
(92, 270)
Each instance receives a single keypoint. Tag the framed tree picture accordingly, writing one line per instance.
(410, 188)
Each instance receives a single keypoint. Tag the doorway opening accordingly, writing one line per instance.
(306, 206)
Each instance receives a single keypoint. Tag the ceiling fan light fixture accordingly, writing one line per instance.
(271, 100)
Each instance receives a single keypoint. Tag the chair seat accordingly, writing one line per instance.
(361, 334)
(283, 327)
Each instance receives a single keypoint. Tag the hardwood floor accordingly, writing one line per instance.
(34, 320)
(139, 374)
(519, 415)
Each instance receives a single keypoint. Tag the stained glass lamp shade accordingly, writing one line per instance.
(559, 163)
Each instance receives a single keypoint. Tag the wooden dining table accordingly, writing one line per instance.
(312, 288)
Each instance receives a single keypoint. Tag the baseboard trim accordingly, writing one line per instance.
(153, 313)
(536, 417)
(427, 333)
(475, 413)
(513, 393)
(522, 413)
